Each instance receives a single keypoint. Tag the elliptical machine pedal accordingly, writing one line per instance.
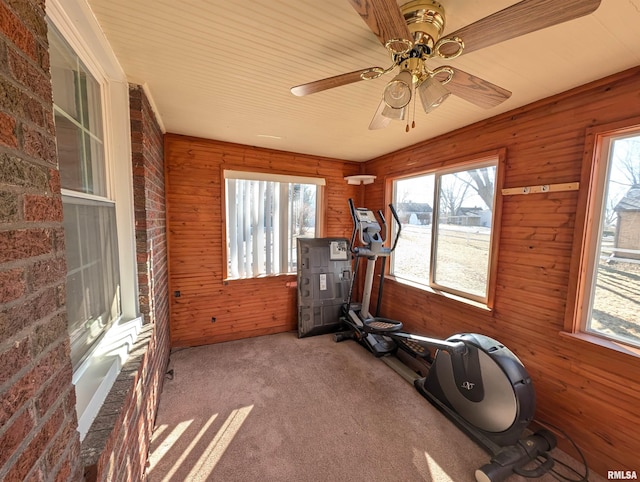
(414, 349)
(381, 326)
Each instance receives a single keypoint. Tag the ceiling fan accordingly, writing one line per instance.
(412, 34)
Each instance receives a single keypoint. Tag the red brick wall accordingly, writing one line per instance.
(119, 452)
(149, 201)
(38, 436)
(153, 277)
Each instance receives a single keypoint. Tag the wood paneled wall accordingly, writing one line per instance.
(195, 231)
(591, 392)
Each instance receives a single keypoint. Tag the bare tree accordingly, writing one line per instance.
(482, 181)
(629, 160)
(452, 195)
(610, 214)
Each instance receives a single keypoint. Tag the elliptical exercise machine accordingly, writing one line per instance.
(474, 380)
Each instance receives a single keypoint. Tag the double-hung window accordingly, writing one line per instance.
(265, 215)
(91, 115)
(93, 286)
(448, 222)
(607, 303)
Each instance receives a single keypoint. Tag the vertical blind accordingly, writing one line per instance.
(265, 215)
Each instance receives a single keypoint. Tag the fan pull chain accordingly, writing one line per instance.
(413, 122)
(406, 129)
(413, 114)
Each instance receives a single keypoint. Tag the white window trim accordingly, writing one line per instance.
(95, 377)
(265, 176)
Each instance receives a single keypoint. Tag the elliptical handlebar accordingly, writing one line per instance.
(354, 219)
(384, 225)
(398, 223)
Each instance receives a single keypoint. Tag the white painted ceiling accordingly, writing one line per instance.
(222, 69)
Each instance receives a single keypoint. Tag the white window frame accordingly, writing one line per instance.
(283, 254)
(95, 376)
(486, 302)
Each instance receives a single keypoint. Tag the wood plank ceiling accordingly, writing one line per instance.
(222, 69)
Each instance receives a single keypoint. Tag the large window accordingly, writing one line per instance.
(447, 225)
(91, 115)
(609, 288)
(265, 215)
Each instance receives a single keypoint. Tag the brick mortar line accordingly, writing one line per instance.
(29, 225)
(38, 161)
(27, 262)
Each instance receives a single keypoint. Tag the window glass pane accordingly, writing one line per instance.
(615, 304)
(70, 153)
(91, 103)
(93, 291)
(64, 76)
(463, 238)
(94, 181)
(78, 117)
(302, 218)
(264, 219)
(413, 199)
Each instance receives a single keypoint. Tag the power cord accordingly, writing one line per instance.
(553, 472)
(169, 373)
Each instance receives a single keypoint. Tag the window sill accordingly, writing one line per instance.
(603, 342)
(95, 377)
(460, 299)
(94, 444)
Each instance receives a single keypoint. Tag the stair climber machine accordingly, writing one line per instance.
(474, 380)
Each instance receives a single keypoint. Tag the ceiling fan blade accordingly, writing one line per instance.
(386, 21)
(519, 19)
(331, 82)
(476, 90)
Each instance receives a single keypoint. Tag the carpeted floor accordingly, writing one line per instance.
(279, 408)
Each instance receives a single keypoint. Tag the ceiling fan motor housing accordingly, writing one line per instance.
(426, 21)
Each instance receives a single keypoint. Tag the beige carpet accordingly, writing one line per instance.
(279, 408)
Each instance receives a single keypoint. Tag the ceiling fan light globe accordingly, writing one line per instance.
(397, 93)
(432, 94)
(394, 114)
(379, 121)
